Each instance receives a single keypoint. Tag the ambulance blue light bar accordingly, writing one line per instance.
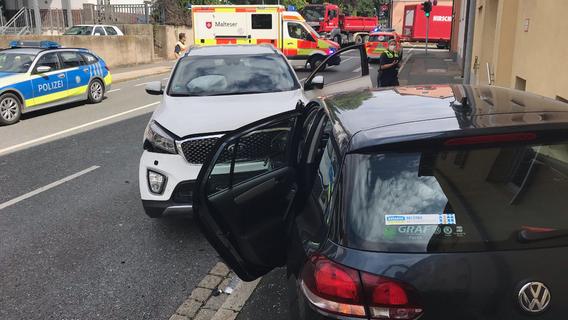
(34, 44)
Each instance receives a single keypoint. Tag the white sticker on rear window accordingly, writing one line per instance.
(414, 219)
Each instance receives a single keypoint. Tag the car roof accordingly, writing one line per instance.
(368, 118)
(36, 50)
(378, 33)
(231, 50)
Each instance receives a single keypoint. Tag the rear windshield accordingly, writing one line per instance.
(448, 201)
(232, 74)
(380, 38)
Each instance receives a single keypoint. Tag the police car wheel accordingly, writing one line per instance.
(96, 91)
(10, 109)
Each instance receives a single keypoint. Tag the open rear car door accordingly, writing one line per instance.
(245, 192)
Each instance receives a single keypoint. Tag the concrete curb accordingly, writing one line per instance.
(135, 74)
(219, 296)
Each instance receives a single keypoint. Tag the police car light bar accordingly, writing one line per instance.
(34, 44)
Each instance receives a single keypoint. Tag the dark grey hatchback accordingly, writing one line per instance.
(431, 202)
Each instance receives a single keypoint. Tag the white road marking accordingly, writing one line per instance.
(47, 187)
(30, 142)
(357, 70)
(141, 84)
(347, 59)
(113, 90)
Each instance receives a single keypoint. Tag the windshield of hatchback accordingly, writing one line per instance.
(79, 30)
(448, 201)
(15, 62)
(313, 13)
(231, 75)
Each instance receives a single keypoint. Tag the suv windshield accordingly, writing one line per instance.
(231, 75)
(79, 31)
(15, 62)
(448, 201)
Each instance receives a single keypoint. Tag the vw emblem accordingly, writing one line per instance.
(534, 297)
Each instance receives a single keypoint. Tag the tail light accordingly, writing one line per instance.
(338, 289)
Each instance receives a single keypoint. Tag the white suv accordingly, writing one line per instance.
(211, 91)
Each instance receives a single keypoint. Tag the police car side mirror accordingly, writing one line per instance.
(43, 69)
(317, 82)
(154, 88)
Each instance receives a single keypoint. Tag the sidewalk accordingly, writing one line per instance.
(142, 70)
(435, 68)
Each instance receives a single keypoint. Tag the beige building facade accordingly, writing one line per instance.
(522, 44)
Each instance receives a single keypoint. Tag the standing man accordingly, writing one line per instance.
(388, 66)
(180, 46)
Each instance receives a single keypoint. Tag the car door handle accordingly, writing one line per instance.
(86, 70)
(290, 43)
(61, 76)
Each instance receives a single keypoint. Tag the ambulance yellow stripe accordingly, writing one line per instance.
(108, 79)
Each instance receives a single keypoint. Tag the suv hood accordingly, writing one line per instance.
(185, 116)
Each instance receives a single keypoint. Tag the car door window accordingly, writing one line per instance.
(254, 154)
(100, 31)
(89, 58)
(111, 31)
(71, 59)
(48, 60)
(297, 31)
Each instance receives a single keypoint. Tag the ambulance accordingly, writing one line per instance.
(253, 24)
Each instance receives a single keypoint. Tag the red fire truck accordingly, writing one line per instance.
(414, 25)
(328, 20)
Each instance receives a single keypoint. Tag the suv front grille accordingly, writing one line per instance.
(255, 146)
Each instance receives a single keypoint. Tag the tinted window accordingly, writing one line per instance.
(110, 31)
(49, 60)
(71, 59)
(231, 74)
(326, 176)
(262, 21)
(80, 31)
(469, 200)
(100, 31)
(89, 58)
(15, 62)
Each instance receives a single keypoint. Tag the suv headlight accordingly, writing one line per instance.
(159, 139)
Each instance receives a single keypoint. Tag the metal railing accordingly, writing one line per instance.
(118, 13)
(20, 23)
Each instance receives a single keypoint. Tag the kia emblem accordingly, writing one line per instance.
(208, 24)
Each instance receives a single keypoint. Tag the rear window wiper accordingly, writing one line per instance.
(531, 236)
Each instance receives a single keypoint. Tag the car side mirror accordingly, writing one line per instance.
(154, 88)
(43, 69)
(318, 82)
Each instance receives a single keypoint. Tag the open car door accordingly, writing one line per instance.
(351, 74)
(245, 191)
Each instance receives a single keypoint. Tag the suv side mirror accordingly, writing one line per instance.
(43, 69)
(317, 82)
(154, 88)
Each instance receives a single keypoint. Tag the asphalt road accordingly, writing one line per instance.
(85, 249)
(74, 240)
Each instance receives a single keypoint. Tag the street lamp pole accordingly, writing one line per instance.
(427, 31)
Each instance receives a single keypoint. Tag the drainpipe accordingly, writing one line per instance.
(37, 16)
(471, 11)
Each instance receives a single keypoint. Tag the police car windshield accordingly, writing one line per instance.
(500, 198)
(79, 30)
(15, 62)
(231, 75)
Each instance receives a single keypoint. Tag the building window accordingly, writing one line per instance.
(262, 21)
(520, 84)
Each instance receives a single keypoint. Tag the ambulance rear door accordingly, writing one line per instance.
(221, 25)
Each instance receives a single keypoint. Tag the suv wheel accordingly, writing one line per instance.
(96, 91)
(10, 109)
(315, 62)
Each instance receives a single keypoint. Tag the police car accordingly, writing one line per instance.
(36, 75)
